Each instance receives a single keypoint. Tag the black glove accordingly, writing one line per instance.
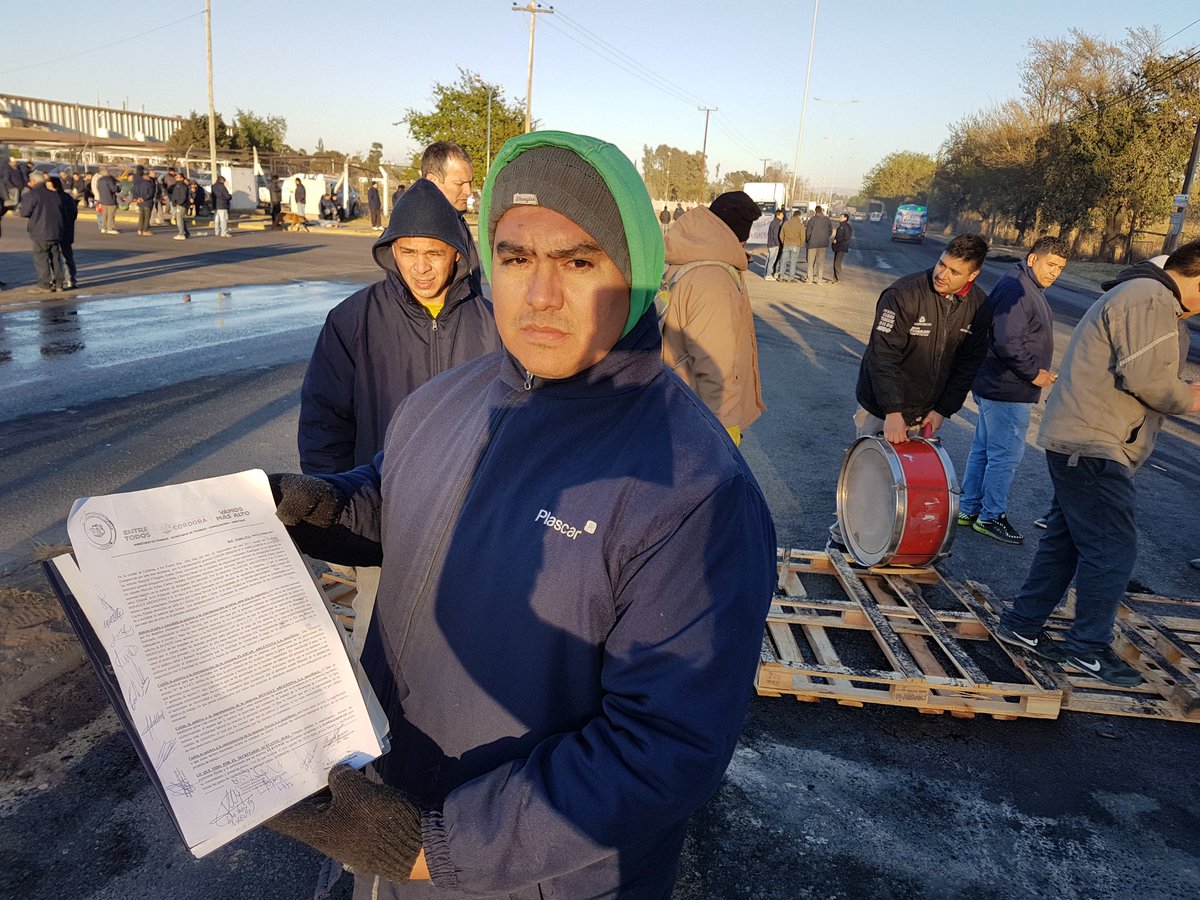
(371, 828)
(303, 498)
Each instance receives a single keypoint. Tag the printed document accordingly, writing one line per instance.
(233, 674)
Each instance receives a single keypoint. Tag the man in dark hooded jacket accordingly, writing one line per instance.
(383, 342)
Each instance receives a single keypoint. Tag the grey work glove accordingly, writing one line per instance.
(371, 828)
(303, 498)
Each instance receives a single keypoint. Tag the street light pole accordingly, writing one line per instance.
(833, 127)
(812, 39)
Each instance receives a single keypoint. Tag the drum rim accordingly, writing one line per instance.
(900, 488)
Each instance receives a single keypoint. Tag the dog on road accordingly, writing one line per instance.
(295, 222)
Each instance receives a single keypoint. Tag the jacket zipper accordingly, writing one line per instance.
(435, 346)
(493, 428)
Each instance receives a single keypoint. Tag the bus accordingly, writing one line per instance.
(910, 223)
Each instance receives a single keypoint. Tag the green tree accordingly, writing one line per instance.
(672, 174)
(192, 136)
(375, 157)
(735, 181)
(264, 132)
(901, 176)
(460, 114)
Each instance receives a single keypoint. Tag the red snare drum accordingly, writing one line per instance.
(897, 503)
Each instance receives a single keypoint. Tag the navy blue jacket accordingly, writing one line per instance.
(44, 210)
(107, 190)
(143, 190)
(221, 196)
(924, 349)
(70, 208)
(1020, 342)
(16, 176)
(380, 344)
(773, 232)
(575, 577)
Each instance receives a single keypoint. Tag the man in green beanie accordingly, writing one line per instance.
(576, 561)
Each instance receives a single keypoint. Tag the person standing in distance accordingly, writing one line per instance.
(221, 201)
(773, 244)
(817, 232)
(1010, 380)
(841, 245)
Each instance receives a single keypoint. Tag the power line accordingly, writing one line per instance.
(691, 98)
(667, 88)
(592, 42)
(123, 40)
(1143, 92)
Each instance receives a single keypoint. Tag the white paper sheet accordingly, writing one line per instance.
(227, 658)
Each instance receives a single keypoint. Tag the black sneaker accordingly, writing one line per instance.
(1105, 665)
(999, 529)
(967, 519)
(1039, 645)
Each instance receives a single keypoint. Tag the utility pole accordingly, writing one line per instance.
(707, 110)
(1175, 232)
(533, 9)
(764, 160)
(212, 112)
(812, 39)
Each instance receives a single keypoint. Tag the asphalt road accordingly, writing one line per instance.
(820, 801)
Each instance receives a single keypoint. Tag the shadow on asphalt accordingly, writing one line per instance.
(115, 265)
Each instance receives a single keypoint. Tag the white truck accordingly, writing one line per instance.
(767, 194)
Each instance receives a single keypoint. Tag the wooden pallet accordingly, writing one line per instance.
(1158, 636)
(340, 591)
(814, 646)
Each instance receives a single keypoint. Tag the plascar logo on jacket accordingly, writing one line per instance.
(548, 519)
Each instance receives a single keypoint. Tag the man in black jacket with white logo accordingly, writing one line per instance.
(928, 341)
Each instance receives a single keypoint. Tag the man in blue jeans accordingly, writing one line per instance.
(1120, 377)
(1010, 381)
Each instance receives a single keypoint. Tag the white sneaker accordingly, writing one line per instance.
(769, 278)
(180, 237)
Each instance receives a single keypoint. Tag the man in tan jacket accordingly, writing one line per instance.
(708, 328)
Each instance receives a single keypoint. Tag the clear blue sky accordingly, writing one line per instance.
(345, 72)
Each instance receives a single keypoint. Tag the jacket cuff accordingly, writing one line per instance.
(442, 871)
